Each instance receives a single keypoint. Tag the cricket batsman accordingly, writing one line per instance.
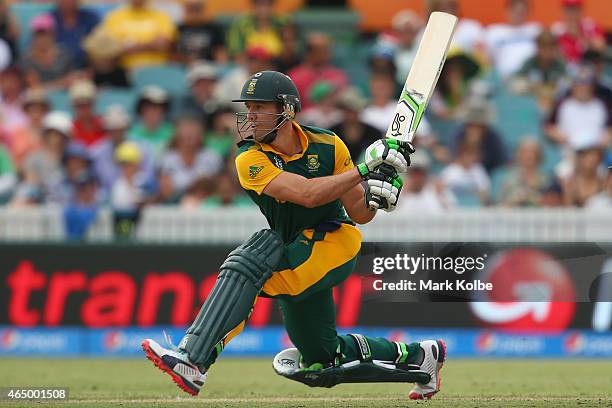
(306, 185)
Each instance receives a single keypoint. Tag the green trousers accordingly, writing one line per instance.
(312, 265)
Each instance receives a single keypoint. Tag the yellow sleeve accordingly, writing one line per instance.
(113, 23)
(342, 160)
(255, 170)
(166, 27)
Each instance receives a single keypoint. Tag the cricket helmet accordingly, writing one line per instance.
(268, 86)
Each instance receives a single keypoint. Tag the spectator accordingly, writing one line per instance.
(103, 53)
(316, 67)
(291, 54)
(6, 59)
(467, 178)
(8, 176)
(87, 124)
(46, 63)
(9, 30)
(147, 34)
(579, 119)
(512, 43)
(199, 191)
(186, 161)
(468, 35)
(577, 34)
(456, 82)
(324, 112)
(82, 210)
(25, 139)
(381, 110)
(379, 113)
(259, 29)
(201, 102)
(257, 60)
(586, 181)
(381, 62)
(222, 136)
(227, 194)
(603, 200)
(603, 84)
(402, 42)
(43, 170)
(356, 134)
(541, 74)
(477, 131)
(115, 122)
(12, 115)
(27, 195)
(153, 125)
(551, 196)
(76, 163)
(72, 25)
(130, 191)
(422, 194)
(523, 182)
(199, 39)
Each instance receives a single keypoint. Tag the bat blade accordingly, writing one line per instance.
(423, 76)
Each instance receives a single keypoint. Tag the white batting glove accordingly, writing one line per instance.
(388, 151)
(382, 192)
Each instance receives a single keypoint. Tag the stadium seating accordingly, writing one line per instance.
(116, 96)
(171, 77)
(24, 12)
(60, 101)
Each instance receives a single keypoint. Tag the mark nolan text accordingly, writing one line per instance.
(434, 286)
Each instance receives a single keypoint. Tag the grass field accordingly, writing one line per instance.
(252, 383)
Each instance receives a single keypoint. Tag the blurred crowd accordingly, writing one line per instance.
(174, 146)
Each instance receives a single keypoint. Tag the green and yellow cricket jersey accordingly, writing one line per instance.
(323, 154)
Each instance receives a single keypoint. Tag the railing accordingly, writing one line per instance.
(222, 226)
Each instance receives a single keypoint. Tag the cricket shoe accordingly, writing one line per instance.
(176, 364)
(433, 360)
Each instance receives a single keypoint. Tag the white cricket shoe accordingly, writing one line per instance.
(435, 354)
(177, 365)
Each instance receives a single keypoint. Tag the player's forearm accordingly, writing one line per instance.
(359, 212)
(322, 190)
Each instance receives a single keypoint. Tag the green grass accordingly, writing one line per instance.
(252, 383)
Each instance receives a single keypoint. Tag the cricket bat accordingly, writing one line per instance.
(420, 84)
(423, 76)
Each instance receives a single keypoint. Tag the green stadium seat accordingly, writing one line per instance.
(171, 77)
(106, 97)
(340, 24)
(60, 101)
(467, 199)
(116, 96)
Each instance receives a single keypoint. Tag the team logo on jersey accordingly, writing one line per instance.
(278, 162)
(254, 171)
(313, 162)
(347, 161)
